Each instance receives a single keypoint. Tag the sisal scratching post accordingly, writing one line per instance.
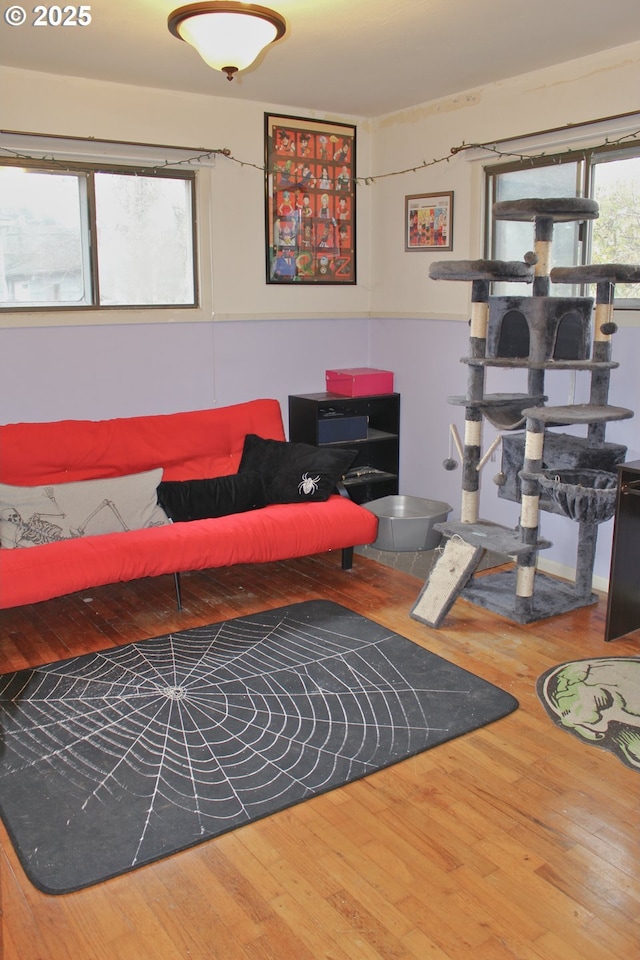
(448, 577)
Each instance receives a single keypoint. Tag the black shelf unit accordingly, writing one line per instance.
(374, 472)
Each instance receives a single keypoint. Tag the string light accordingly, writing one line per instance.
(491, 147)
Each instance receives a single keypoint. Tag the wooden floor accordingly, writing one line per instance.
(516, 840)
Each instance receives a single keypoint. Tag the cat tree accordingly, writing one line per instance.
(541, 470)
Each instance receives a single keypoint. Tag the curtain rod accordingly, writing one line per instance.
(91, 148)
(569, 126)
(100, 140)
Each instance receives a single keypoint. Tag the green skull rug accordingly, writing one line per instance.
(599, 701)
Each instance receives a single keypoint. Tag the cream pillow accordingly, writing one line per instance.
(31, 516)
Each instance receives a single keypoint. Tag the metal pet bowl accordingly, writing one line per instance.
(587, 496)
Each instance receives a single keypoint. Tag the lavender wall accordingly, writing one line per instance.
(55, 373)
(425, 356)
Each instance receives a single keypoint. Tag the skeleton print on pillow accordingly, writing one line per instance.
(33, 516)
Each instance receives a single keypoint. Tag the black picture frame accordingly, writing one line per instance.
(310, 201)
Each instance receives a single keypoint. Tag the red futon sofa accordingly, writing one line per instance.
(187, 446)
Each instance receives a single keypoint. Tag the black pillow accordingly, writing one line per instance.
(262, 456)
(214, 497)
(295, 472)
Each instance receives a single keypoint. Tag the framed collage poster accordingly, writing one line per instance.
(310, 201)
(428, 221)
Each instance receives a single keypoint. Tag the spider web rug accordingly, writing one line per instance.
(115, 759)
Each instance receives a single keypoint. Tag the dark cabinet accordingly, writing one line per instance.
(371, 425)
(623, 604)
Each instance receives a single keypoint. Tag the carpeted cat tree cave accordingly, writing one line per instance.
(542, 470)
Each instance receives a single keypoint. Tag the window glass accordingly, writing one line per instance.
(512, 239)
(616, 232)
(43, 238)
(145, 251)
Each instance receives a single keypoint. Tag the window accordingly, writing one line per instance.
(91, 238)
(609, 176)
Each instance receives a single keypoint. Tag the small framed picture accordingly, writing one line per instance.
(428, 220)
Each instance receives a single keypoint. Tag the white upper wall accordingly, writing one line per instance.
(390, 281)
(44, 103)
(577, 91)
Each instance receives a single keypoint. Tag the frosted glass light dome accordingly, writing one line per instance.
(228, 36)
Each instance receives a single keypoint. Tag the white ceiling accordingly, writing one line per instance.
(352, 57)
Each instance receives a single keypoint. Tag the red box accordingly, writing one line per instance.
(359, 381)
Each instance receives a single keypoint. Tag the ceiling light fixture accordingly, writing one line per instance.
(227, 35)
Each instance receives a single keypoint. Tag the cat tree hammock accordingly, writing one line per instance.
(541, 469)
